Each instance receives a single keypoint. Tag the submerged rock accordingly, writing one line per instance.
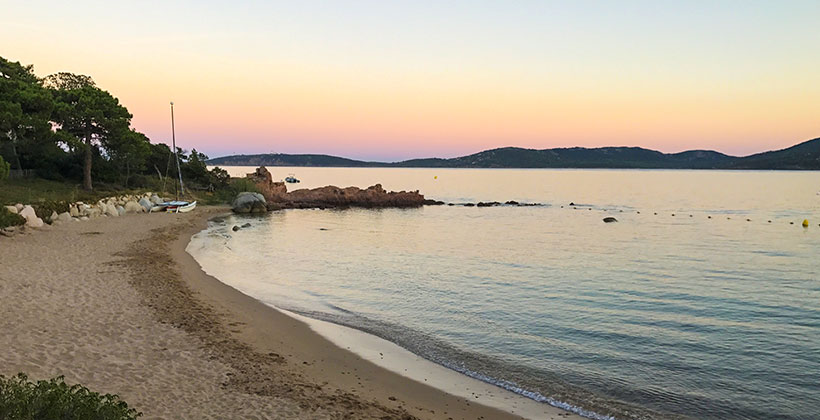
(610, 220)
(235, 228)
(488, 204)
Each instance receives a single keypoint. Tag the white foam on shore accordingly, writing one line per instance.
(392, 357)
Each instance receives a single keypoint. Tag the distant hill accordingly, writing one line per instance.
(281, 159)
(804, 156)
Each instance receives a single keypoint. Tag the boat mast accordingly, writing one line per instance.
(176, 156)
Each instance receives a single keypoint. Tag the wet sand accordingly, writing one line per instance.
(118, 305)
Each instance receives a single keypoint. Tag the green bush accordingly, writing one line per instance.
(7, 219)
(5, 168)
(23, 399)
(239, 185)
(44, 208)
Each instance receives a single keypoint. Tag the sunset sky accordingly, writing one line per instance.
(390, 80)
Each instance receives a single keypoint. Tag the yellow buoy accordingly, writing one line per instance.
(805, 222)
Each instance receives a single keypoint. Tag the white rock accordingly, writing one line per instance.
(73, 212)
(145, 204)
(31, 217)
(155, 199)
(120, 210)
(84, 218)
(133, 207)
(111, 210)
(53, 216)
(19, 207)
(12, 209)
(92, 212)
(64, 217)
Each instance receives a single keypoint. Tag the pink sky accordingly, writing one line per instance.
(381, 81)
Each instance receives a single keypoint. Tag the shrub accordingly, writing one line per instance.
(44, 209)
(23, 399)
(7, 219)
(239, 185)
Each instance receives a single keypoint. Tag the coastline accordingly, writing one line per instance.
(139, 318)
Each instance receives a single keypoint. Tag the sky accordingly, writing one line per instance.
(391, 80)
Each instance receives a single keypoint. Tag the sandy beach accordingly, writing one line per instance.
(118, 305)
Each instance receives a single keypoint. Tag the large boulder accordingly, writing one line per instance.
(145, 204)
(31, 217)
(156, 199)
(249, 202)
(134, 207)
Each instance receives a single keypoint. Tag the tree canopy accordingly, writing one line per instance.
(65, 127)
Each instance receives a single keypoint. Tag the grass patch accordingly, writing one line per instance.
(21, 398)
(38, 190)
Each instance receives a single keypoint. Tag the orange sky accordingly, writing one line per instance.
(400, 80)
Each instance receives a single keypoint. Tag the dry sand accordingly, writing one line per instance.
(118, 305)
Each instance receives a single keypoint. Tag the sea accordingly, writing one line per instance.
(701, 302)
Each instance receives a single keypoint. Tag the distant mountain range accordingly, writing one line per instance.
(804, 156)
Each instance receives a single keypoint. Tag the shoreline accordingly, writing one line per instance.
(331, 346)
(118, 305)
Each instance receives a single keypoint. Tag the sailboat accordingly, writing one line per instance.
(175, 206)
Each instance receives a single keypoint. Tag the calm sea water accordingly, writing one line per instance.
(667, 315)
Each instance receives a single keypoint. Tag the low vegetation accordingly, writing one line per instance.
(8, 218)
(24, 399)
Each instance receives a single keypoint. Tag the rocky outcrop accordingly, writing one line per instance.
(276, 195)
(263, 180)
(330, 196)
(249, 202)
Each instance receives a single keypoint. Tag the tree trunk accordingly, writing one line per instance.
(16, 156)
(127, 172)
(87, 165)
